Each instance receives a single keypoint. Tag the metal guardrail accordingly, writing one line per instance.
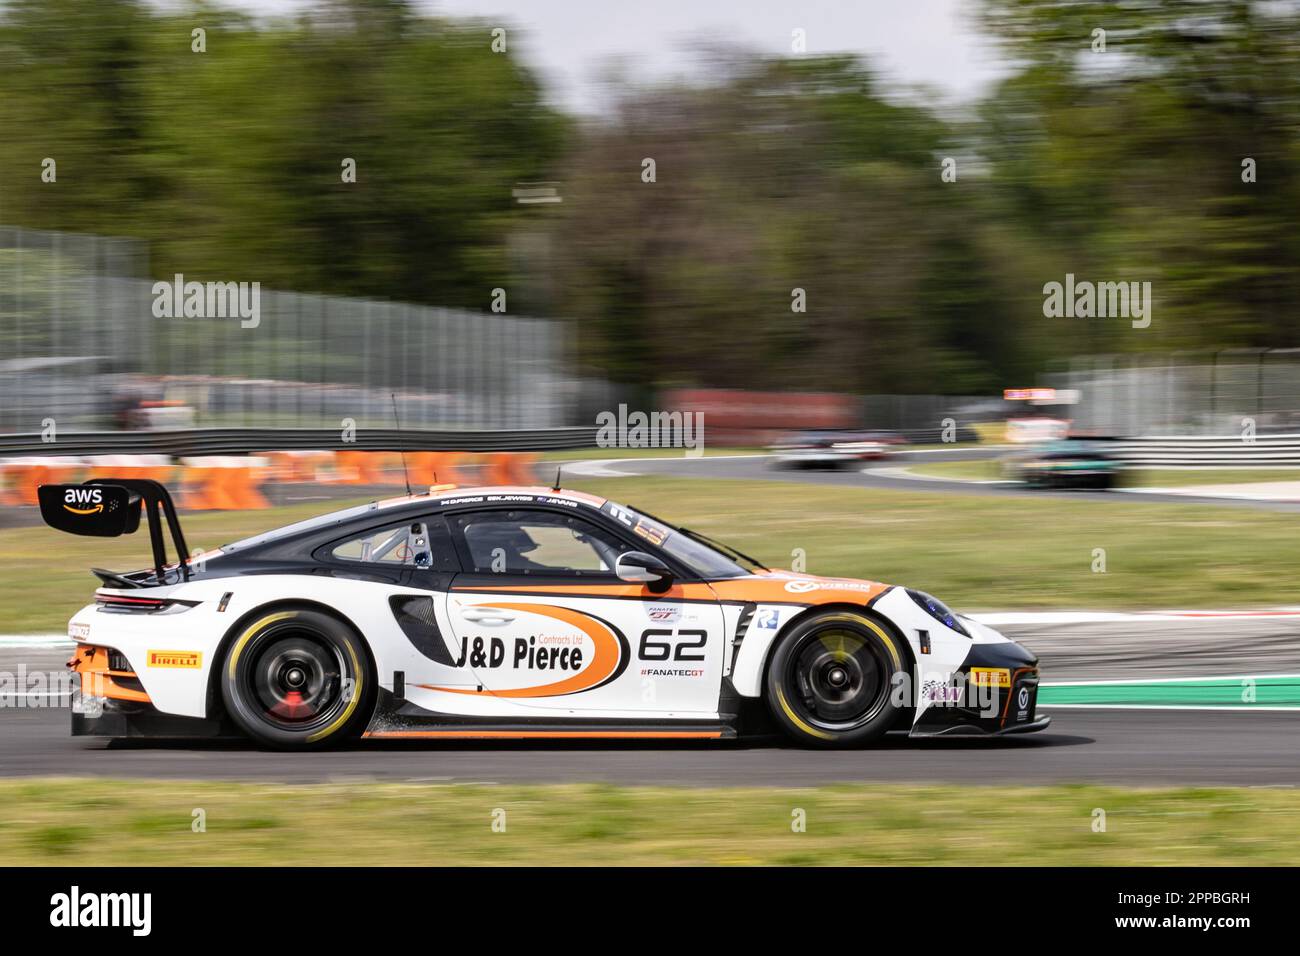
(194, 442)
(1188, 451)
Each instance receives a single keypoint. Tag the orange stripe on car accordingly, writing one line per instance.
(605, 662)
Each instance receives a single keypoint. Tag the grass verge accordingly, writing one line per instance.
(981, 552)
(143, 823)
(991, 470)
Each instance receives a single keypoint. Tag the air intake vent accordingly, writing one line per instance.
(742, 625)
(416, 618)
(746, 615)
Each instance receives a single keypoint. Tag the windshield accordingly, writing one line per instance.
(705, 561)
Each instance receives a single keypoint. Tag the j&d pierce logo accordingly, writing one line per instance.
(83, 501)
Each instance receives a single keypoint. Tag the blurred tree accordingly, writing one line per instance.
(790, 174)
(230, 161)
(772, 175)
(1128, 163)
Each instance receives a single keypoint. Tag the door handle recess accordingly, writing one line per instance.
(487, 616)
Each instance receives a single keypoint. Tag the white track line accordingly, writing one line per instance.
(901, 473)
(1170, 680)
(1044, 705)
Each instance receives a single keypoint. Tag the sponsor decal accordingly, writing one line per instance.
(804, 587)
(669, 614)
(80, 632)
(1022, 701)
(185, 659)
(941, 692)
(671, 672)
(588, 655)
(83, 501)
(990, 677)
(767, 618)
(655, 534)
(527, 654)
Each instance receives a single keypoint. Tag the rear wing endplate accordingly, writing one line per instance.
(110, 507)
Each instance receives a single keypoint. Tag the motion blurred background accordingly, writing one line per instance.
(806, 170)
(800, 218)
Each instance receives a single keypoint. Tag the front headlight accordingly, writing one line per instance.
(937, 610)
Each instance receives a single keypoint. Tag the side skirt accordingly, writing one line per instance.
(396, 719)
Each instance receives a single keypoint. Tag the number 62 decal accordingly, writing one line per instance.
(662, 644)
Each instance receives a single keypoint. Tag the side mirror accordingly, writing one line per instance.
(637, 567)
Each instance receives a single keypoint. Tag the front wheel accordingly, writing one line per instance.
(297, 679)
(831, 679)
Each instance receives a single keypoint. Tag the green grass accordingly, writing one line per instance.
(1182, 477)
(991, 469)
(994, 552)
(143, 823)
(974, 551)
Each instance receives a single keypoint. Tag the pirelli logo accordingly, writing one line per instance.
(990, 677)
(175, 659)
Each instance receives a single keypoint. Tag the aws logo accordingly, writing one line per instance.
(83, 501)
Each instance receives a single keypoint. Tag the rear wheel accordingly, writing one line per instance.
(297, 679)
(831, 680)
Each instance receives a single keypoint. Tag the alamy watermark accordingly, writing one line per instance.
(208, 300)
(1085, 300)
(624, 429)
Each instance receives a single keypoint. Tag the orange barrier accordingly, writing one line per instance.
(24, 475)
(298, 466)
(364, 467)
(233, 482)
(222, 483)
(434, 467)
(509, 468)
(153, 467)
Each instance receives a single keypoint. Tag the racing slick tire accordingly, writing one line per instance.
(297, 679)
(831, 681)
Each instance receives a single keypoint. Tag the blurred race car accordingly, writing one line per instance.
(510, 613)
(1070, 463)
(833, 449)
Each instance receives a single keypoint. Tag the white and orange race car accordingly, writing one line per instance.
(511, 613)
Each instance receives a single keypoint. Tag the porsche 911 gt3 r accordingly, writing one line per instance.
(511, 613)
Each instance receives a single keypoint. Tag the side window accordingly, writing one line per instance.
(418, 542)
(538, 542)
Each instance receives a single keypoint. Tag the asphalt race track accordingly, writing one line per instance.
(1097, 747)
(1123, 747)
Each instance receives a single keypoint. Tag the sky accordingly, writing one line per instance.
(574, 43)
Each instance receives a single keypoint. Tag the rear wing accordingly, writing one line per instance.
(110, 507)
